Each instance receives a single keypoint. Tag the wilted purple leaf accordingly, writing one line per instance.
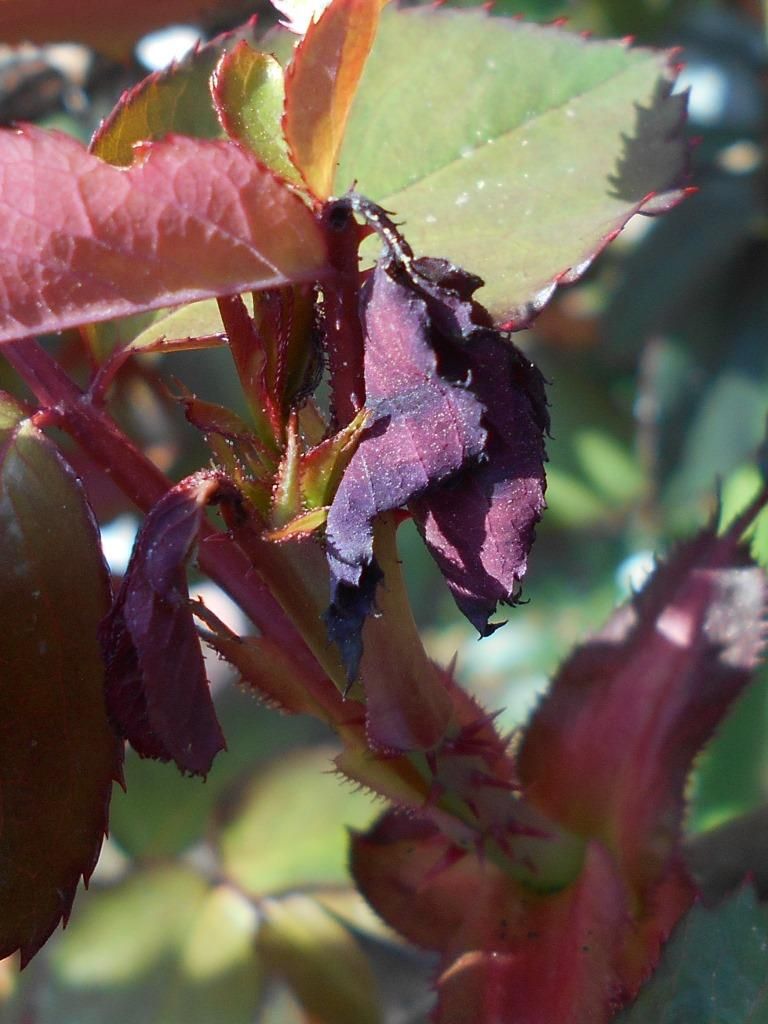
(423, 428)
(479, 526)
(157, 691)
(459, 417)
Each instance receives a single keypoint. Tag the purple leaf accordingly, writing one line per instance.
(457, 435)
(479, 526)
(424, 427)
(157, 692)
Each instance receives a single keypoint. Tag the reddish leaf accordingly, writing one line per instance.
(320, 85)
(561, 965)
(58, 755)
(119, 240)
(423, 429)
(157, 691)
(432, 363)
(628, 711)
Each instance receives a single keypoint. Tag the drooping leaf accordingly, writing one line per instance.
(119, 240)
(712, 969)
(473, 127)
(248, 92)
(175, 101)
(423, 428)
(157, 691)
(479, 526)
(320, 86)
(630, 709)
(110, 26)
(320, 960)
(159, 946)
(427, 340)
(58, 755)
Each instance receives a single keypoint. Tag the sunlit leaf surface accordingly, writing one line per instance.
(515, 150)
(119, 240)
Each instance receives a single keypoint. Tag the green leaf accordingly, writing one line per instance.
(161, 947)
(712, 970)
(162, 813)
(610, 468)
(513, 149)
(289, 827)
(180, 329)
(176, 100)
(58, 755)
(320, 961)
(248, 92)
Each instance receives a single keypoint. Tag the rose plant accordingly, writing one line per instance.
(245, 196)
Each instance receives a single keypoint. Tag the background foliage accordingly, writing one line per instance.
(659, 381)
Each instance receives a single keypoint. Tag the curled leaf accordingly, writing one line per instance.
(456, 434)
(630, 709)
(320, 86)
(423, 428)
(157, 691)
(248, 93)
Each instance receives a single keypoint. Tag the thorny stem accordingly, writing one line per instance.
(142, 482)
(344, 332)
(233, 568)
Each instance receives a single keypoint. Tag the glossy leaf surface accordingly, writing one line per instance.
(248, 92)
(157, 690)
(58, 755)
(119, 240)
(320, 86)
(473, 127)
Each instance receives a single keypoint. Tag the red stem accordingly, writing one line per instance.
(142, 482)
(344, 330)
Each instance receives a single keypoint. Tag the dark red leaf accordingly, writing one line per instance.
(629, 710)
(458, 421)
(58, 754)
(479, 526)
(423, 429)
(157, 692)
(511, 955)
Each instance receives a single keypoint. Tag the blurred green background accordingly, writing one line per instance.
(228, 902)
